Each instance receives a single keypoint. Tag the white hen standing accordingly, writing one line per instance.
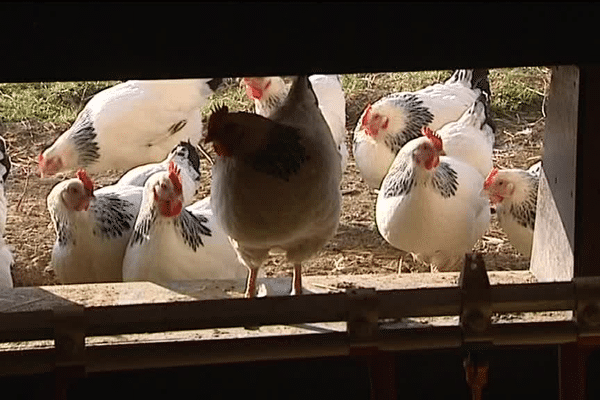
(390, 122)
(185, 156)
(130, 124)
(92, 229)
(275, 183)
(170, 242)
(431, 205)
(514, 192)
(6, 256)
(269, 93)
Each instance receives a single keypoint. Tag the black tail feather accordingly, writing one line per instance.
(301, 87)
(485, 99)
(480, 80)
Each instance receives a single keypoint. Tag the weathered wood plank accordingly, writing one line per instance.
(553, 245)
(178, 312)
(566, 233)
(27, 299)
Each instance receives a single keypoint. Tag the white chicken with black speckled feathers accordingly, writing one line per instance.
(92, 229)
(170, 242)
(514, 192)
(431, 204)
(133, 123)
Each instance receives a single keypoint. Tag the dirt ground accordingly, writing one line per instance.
(357, 247)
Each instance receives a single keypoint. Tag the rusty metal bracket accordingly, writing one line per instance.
(475, 322)
(69, 340)
(363, 319)
(587, 306)
(476, 310)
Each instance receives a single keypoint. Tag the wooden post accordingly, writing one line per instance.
(553, 240)
(566, 230)
(572, 372)
(566, 233)
(587, 214)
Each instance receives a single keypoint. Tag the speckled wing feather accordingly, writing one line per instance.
(84, 138)
(417, 116)
(112, 216)
(445, 180)
(142, 227)
(64, 234)
(524, 212)
(400, 180)
(191, 227)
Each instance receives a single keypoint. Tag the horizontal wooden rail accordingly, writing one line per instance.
(226, 313)
(130, 356)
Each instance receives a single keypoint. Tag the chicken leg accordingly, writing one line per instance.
(297, 280)
(251, 283)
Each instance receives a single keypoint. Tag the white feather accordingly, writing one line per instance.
(470, 139)
(6, 260)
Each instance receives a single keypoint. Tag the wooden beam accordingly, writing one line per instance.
(83, 41)
(225, 313)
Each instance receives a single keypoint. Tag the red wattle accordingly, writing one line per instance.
(253, 92)
(170, 208)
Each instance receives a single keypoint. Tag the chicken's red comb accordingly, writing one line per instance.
(434, 137)
(366, 115)
(174, 176)
(490, 178)
(85, 179)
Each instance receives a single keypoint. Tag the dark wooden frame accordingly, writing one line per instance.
(46, 42)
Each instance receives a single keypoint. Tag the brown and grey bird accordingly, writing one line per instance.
(275, 182)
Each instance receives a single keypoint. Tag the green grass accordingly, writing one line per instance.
(46, 101)
(513, 90)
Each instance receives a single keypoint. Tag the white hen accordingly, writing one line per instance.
(431, 205)
(514, 191)
(92, 229)
(185, 156)
(170, 242)
(471, 138)
(269, 93)
(390, 122)
(275, 183)
(130, 124)
(6, 256)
